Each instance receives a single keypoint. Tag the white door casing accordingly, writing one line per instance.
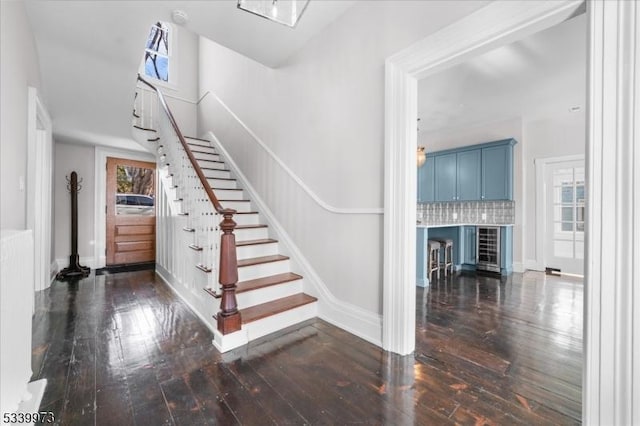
(495, 25)
(611, 391)
(39, 186)
(556, 245)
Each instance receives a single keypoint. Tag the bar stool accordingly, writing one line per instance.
(433, 258)
(447, 245)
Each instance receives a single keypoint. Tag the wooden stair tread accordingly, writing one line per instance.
(235, 201)
(199, 145)
(227, 189)
(251, 226)
(210, 161)
(245, 213)
(255, 242)
(266, 281)
(262, 259)
(196, 139)
(204, 152)
(144, 128)
(274, 307)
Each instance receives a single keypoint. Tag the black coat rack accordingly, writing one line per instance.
(74, 270)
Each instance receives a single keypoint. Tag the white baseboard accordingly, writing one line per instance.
(518, 267)
(32, 405)
(421, 282)
(53, 271)
(362, 323)
(168, 279)
(532, 265)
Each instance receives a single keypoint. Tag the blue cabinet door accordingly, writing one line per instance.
(468, 175)
(470, 245)
(497, 173)
(426, 181)
(445, 177)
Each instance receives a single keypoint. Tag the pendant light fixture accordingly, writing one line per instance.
(422, 156)
(286, 12)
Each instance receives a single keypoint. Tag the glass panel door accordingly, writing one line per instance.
(565, 216)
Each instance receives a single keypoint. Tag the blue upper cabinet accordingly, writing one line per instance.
(468, 173)
(446, 177)
(426, 181)
(497, 172)
(478, 172)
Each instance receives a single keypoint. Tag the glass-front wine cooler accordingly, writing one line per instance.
(488, 248)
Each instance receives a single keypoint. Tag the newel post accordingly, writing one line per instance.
(228, 317)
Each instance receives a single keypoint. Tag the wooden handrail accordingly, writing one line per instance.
(228, 318)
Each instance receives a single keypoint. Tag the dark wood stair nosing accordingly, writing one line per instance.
(144, 128)
(210, 161)
(211, 168)
(251, 226)
(212, 293)
(203, 268)
(197, 139)
(274, 307)
(219, 178)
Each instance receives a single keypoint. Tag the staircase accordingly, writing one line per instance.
(269, 294)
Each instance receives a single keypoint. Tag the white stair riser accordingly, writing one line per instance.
(263, 270)
(239, 206)
(282, 320)
(221, 183)
(251, 234)
(247, 219)
(197, 142)
(221, 194)
(258, 250)
(267, 294)
(212, 165)
(206, 156)
(224, 174)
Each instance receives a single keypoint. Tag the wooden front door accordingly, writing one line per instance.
(131, 211)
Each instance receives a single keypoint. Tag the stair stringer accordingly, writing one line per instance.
(360, 322)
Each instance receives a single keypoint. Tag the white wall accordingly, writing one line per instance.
(322, 113)
(78, 158)
(556, 135)
(18, 69)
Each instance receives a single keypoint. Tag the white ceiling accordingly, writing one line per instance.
(517, 80)
(106, 25)
(90, 51)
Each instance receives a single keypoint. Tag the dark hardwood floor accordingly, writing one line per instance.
(123, 349)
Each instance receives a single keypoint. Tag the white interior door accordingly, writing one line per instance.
(564, 230)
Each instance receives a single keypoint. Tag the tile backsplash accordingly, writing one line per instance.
(466, 212)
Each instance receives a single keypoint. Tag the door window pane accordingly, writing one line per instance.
(135, 191)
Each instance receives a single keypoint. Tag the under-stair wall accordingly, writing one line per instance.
(319, 231)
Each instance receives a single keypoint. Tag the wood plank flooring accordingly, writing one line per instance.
(122, 349)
